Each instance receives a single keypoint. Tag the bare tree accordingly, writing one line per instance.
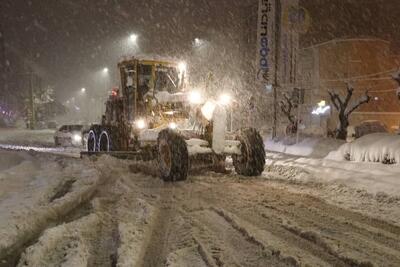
(396, 77)
(287, 105)
(345, 109)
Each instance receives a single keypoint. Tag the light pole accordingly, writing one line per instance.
(227, 101)
(106, 77)
(84, 109)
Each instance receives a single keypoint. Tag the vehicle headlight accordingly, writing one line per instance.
(195, 97)
(182, 67)
(208, 110)
(224, 100)
(173, 126)
(77, 138)
(141, 124)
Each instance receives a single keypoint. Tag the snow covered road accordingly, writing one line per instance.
(100, 213)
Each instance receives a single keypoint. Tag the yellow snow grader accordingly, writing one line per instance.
(154, 115)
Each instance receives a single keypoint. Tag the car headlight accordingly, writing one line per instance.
(141, 124)
(208, 110)
(77, 138)
(224, 100)
(182, 67)
(195, 97)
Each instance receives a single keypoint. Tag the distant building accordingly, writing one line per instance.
(365, 63)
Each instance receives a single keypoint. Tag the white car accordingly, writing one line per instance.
(69, 135)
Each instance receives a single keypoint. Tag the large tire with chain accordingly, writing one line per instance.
(251, 162)
(173, 156)
(109, 139)
(93, 138)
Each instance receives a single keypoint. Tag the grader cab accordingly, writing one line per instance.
(156, 116)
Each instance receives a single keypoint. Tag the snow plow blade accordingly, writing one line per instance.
(138, 156)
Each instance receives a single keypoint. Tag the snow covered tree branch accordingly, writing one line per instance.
(344, 110)
(396, 77)
(287, 107)
(363, 100)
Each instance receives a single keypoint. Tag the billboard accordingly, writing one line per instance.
(266, 42)
(279, 24)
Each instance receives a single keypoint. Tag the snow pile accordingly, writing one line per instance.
(134, 229)
(377, 147)
(308, 147)
(43, 189)
(67, 151)
(63, 245)
(374, 178)
(27, 137)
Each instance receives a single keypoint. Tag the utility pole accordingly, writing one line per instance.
(3, 67)
(32, 102)
(278, 12)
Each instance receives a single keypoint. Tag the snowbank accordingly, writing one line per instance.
(27, 137)
(375, 178)
(63, 245)
(377, 147)
(41, 188)
(308, 147)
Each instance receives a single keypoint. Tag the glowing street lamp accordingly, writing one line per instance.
(105, 70)
(83, 90)
(198, 42)
(133, 38)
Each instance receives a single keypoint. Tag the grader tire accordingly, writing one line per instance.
(93, 136)
(104, 141)
(252, 160)
(109, 139)
(173, 156)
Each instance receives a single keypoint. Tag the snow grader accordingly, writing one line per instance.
(156, 116)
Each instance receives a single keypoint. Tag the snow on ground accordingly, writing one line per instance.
(307, 147)
(324, 161)
(69, 212)
(36, 190)
(377, 147)
(25, 137)
(61, 211)
(375, 178)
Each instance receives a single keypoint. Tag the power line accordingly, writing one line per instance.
(361, 77)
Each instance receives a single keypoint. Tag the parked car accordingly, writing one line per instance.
(365, 128)
(69, 135)
(51, 125)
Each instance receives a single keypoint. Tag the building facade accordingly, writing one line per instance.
(366, 64)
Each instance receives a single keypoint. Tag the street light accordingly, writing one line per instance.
(105, 70)
(198, 42)
(83, 90)
(133, 38)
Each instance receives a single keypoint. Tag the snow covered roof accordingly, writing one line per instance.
(151, 57)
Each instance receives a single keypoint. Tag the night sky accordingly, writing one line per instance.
(70, 39)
